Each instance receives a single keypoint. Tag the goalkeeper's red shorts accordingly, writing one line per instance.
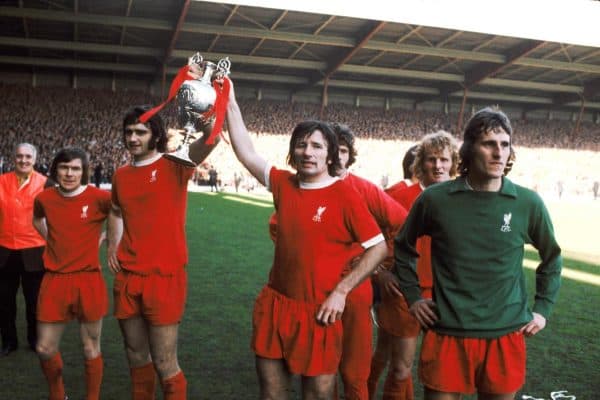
(159, 299)
(287, 329)
(468, 365)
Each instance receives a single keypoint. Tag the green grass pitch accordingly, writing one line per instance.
(230, 256)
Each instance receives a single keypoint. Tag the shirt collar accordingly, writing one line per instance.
(22, 181)
(460, 185)
(74, 193)
(147, 161)
(318, 185)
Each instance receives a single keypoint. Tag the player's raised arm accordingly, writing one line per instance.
(199, 149)
(241, 142)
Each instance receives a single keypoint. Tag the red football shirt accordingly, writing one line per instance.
(153, 199)
(396, 188)
(388, 213)
(406, 198)
(74, 227)
(318, 225)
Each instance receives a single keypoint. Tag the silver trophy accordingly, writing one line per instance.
(195, 101)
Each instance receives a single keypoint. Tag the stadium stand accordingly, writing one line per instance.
(51, 118)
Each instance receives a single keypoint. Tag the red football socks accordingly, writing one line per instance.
(143, 382)
(52, 369)
(94, 370)
(175, 387)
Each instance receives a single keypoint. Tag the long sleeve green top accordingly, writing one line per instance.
(477, 247)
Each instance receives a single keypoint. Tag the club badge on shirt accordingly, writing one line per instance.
(317, 216)
(153, 175)
(84, 211)
(506, 226)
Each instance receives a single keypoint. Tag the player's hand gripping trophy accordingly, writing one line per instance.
(197, 102)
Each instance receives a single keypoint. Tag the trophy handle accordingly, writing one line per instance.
(196, 59)
(223, 68)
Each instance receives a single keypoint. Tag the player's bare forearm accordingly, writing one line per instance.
(333, 307)
(199, 150)
(370, 259)
(113, 236)
(40, 226)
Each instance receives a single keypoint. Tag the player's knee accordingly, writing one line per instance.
(137, 358)
(274, 392)
(91, 350)
(400, 371)
(45, 351)
(319, 390)
(166, 365)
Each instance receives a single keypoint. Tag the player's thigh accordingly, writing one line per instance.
(489, 396)
(383, 345)
(435, 395)
(318, 387)
(163, 339)
(273, 377)
(403, 352)
(135, 333)
(163, 348)
(90, 332)
(49, 335)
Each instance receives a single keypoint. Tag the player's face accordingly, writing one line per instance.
(344, 155)
(436, 166)
(310, 157)
(24, 160)
(490, 155)
(68, 174)
(137, 140)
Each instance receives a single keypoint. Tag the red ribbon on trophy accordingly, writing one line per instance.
(182, 76)
(221, 87)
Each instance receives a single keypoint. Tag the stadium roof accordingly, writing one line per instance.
(383, 52)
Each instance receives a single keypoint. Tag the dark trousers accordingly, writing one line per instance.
(12, 275)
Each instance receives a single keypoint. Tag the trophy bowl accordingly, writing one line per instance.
(195, 104)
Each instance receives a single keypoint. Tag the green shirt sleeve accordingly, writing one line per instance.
(405, 253)
(547, 274)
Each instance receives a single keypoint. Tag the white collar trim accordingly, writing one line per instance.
(74, 193)
(147, 161)
(319, 185)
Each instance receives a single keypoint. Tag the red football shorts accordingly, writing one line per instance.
(466, 365)
(76, 295)
(287, 329)
(394, 317)
(159, 299)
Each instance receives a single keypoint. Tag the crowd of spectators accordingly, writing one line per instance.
(52, 118)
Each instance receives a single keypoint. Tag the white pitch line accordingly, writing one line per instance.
(585, 277)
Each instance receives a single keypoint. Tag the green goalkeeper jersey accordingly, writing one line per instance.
(477, 248)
